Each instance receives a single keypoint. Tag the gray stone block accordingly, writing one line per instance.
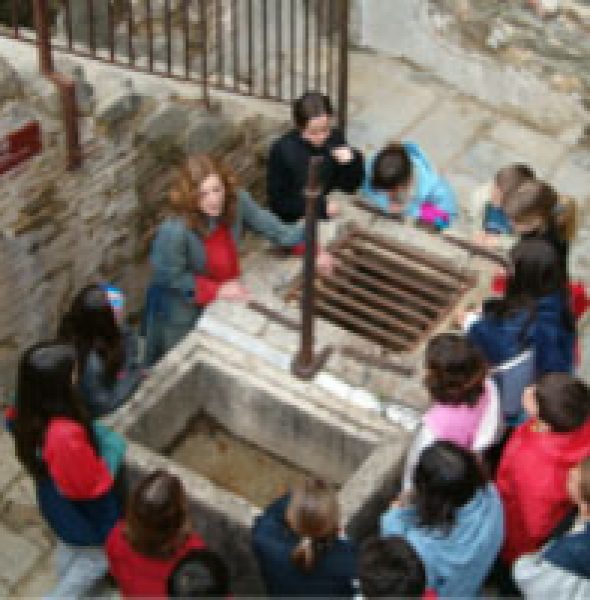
(206, 132)
(541, 151)
(17, 556)
(10, 84)
(168, 122)
(485, 157)
(40, 582)
(572, 177)
(118, 107)
(393, 107)
(447, 129)
(10, 467)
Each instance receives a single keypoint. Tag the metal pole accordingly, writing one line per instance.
(343, 65)
(41, 15)
(305, 365)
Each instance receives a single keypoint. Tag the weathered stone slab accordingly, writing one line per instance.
(485, 157)
(572, 177)
(10, 467)
(394, 108)
(541, 151)
(17, 556)
(447, 129)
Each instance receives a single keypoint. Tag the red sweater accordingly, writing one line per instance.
(73, 464)
(223, 264)
(531, 480)
(138, 575)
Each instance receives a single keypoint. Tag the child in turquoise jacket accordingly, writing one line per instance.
(401, 180)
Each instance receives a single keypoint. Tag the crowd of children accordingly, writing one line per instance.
(496, 484)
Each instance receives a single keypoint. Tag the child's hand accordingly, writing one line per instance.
(332, 208)
(396, 208)
(487, 240)
(342, 155)
(402, 501)
(463, 314)
(234, 291)
(324, 263)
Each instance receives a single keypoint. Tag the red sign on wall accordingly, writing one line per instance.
(19, 145)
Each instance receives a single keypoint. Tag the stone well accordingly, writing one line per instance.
(350, 424)
(296, 422)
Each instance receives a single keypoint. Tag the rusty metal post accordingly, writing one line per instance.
(41, 16)
(344, 9)
(65, 85)
(67, 89)
(305, 365)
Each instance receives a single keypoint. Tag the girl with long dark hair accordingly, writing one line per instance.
(106, 351)
(57, 446)
(534, 312)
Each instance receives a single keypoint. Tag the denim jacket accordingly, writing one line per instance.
(103, 396)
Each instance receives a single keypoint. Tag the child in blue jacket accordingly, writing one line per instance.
(401, 180)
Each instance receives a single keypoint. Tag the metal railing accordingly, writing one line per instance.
(273, 49)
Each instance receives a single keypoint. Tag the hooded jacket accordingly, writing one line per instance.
(560, 571)
(474, 428)
(429, 186)
(502, 339)
(531, 480)
(77, 497)
(456, 563)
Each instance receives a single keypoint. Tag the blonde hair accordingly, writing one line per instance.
(536, 204)
(313, 513)
(186, 187)
(566, 215)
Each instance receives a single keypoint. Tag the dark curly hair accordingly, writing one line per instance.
(455, 370)
(446, 478)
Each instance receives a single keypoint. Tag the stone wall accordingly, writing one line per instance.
(59, 230)
(533, 63)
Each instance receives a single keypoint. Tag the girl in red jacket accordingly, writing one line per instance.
(58, 447)
(533, 470)
(144, 549)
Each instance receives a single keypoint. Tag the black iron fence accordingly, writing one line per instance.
(273, 49)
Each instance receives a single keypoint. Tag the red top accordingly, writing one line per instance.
(73, 464)
(531, 481)
(138, 575)
(223, 264)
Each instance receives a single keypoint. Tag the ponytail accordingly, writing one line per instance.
(312, 514)
(304, 554)
(565, 218)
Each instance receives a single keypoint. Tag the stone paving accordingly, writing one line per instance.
(388, 100)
